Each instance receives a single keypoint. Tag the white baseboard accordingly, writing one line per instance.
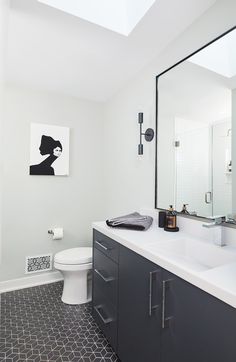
(32, 281)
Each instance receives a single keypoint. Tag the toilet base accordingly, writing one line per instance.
(77, 287)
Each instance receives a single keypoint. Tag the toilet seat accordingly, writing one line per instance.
(72, 267)
(74, 256)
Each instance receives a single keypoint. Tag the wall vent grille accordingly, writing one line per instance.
(38, 263)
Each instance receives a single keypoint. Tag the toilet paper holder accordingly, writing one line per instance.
(57, 233)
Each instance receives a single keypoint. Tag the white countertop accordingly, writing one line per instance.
(219, 281)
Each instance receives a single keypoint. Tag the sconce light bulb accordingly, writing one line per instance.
(140, 149)
(140, 117)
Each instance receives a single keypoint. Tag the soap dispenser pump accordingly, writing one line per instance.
(171, 220)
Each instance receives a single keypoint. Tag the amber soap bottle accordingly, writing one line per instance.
(171, 220)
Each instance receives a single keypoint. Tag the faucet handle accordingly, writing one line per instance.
(216, 217)
(231, 218)
(220, 220)
(217, 220)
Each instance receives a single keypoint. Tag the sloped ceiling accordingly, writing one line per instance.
(120, 16)
(219, 57)
(55, 51)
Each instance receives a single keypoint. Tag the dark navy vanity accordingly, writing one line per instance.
(149, 314)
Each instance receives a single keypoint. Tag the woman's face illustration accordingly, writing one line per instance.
(57, 151)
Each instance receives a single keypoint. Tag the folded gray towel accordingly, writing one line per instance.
(133, 221)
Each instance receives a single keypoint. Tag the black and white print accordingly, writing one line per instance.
(49, 150)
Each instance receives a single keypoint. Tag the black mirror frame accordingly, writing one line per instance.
(156, 127)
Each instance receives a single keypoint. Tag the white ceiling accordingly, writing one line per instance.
(118, 15)
(55, 51)
(219, 57)
(192, 92)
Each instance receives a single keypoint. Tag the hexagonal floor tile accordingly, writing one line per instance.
(35, 326)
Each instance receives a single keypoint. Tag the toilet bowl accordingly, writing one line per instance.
(75, 265)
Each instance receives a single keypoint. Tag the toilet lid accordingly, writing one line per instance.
(82, 255)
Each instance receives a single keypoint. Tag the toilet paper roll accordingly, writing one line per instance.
(57, 233)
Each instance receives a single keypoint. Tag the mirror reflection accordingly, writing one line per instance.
(196, 132)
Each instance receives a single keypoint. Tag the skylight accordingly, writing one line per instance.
(219, 57)
(120, 16)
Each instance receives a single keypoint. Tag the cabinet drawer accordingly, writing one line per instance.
(105, 315)
(106, 245)
(105, 275)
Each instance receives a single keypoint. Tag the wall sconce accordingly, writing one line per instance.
(148, 135)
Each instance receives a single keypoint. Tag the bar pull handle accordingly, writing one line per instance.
(208, 197)
(106, 279)
(151, 306)
(105, 320)
(101, 245)
(165, 285)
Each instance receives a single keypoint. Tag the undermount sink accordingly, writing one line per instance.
(194, 254)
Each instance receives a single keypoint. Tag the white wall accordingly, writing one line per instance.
(101, 158)
(4, 13)
(221, 156)
(233, 151)
(129, 181)
(33, 204)
(192, 163)
(178, 91)
(166, 189)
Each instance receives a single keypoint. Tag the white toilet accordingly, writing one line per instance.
(75, 265)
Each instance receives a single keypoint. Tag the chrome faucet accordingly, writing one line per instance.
(219, 220)
(231, 218)
(217, 233)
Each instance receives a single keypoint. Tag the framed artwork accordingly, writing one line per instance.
(49, 150)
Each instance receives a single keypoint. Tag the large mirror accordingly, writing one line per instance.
(196, 132)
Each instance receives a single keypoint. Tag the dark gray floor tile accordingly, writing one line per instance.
(35, 326)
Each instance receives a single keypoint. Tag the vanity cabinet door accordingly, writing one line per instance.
(197, 327)
(105, 286)
(139, 301)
